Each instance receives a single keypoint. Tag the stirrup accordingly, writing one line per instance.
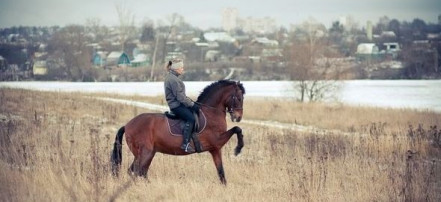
(187, 148)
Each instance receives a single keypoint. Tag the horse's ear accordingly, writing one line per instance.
(238, 82)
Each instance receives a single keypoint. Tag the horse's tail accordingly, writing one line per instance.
(116, 157)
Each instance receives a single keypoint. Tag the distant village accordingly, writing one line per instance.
(243, 49)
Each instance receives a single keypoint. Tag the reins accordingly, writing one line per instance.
(208, 106)
(231, 108)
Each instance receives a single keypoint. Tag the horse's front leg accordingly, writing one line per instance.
(217, 158)
(240, 143)
(227, 135)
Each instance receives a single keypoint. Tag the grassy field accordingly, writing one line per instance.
(56, 147)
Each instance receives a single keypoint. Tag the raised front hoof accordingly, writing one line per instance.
(237, 151)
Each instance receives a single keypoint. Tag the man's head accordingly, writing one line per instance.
(177, 65)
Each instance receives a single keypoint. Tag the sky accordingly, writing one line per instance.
(208, 13)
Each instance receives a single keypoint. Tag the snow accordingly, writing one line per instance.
(417, 94)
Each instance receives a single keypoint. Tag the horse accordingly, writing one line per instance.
(148, 133)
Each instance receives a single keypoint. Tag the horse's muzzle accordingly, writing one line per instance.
(235, 117)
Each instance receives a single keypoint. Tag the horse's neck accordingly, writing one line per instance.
(217, 100)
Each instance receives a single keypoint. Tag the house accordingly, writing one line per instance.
(99, 59)
(272, 55)
(174, 54)
(117, 58)
(3, 64)
(140, 60)
(39, 68)
(391, 49)
(388, 34)
(367, 51)
(266, 42)
(218, 36)
(212, 55)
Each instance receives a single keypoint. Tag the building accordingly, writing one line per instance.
(3, 64)
(218, 36)
(229, 19)
(392, 48)
(117, 58)
(367, 51)
(258, 25)
(99, 59)
(369, 30)
(140, 60)
(39, 68)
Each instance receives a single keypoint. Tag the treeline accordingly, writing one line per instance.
(69, 50)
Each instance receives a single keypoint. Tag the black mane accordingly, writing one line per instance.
(213, 87)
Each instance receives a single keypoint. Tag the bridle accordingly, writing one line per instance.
(232, 102)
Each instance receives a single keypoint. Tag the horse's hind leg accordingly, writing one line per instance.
(142, 163)
(217, 158)
(146, 158)
(132, 169)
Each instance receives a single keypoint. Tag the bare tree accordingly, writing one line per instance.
(308, 58)
(174, 20)
(147, 32)
(70, 54)
(126, 23)
(99, 31)
(167, 30)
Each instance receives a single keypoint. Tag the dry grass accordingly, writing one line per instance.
(337, 116)
(320, 115)
(56, 147)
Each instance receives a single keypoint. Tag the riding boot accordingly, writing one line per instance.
(186, 136)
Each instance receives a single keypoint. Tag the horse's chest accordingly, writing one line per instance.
(219, 127)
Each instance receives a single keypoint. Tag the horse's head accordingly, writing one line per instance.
(224, 95)
(234, 102)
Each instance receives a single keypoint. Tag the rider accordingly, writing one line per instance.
(178, 102)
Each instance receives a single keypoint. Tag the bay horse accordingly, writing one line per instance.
(148, 133)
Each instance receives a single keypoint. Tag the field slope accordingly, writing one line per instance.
(56, 146)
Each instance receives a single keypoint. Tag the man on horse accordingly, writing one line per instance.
(149, 133)
(178, 102)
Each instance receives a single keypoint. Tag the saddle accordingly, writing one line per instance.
(176, 125)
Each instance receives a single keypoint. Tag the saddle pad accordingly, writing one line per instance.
(174, 125)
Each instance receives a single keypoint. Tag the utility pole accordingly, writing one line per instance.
(154, 57)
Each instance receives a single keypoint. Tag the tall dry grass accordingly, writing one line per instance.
(56, 146)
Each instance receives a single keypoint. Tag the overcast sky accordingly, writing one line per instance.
(208, 13)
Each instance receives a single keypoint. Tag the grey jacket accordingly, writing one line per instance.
(175, 91)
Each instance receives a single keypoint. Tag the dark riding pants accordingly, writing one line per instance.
(184, 113)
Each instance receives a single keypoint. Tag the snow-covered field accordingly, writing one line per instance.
(418, 94)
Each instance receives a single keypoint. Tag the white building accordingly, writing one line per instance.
(258, 25)
(218, 36)
(367, 49)
(229, 19)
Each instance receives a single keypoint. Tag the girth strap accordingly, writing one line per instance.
(194, 135)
